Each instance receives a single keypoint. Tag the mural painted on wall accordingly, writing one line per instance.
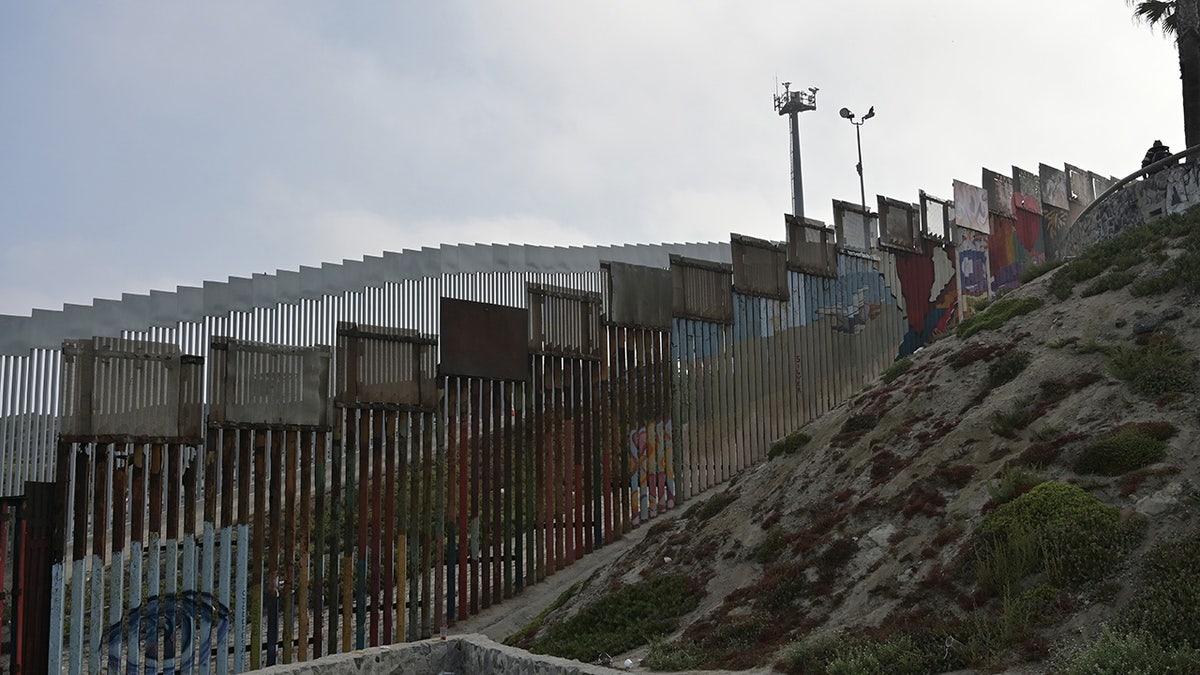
(1054, 187)
(930, 292)
(169, 623)
(973, 272)
(1014, 245)
(1054, 227)
(652, 485)
(850, 302)
(970, 206)
(1183, 190)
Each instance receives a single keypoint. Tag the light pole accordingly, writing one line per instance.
(845, 112)
(792, 103)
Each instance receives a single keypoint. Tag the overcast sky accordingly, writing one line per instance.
(147, 145)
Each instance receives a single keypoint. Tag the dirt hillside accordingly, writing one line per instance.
(1018, 496)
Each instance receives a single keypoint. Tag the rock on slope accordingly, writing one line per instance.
(904, 527)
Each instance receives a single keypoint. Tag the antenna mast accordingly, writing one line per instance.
(792, 103)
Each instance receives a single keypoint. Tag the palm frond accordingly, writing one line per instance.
(1157, 14)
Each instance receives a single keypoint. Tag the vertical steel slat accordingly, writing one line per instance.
(487, 454)
(473, 494)
(538, 432)
(155, 572)
(495, 472)
(258, 538)
(387, 435)
(241, 567)
(349, 506)
(188, 569)
(99, 531)
(427, 498)
(439, 517)
(403, 569)
(412, 460)
(290, 548)
(375, 534)
(230, 443)
(463, 472)
(272, 582)
(172, 470)
(303, 536)
(362, 445)
(210, 461)
(118, 547)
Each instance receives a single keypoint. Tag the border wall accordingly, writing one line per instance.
(274, 469)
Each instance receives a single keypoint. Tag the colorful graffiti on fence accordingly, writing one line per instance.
(1014, 244)
(653, 480)
(857, 299)
(170, 623)
(930, 293)
(970, 206)
(972, 250)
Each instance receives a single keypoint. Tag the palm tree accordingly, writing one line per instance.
(1180, 19)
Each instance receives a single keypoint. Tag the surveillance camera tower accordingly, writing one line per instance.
(792, 103)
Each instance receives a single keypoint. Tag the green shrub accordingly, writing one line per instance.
(1120, 452)
(1159, 367)
(788, 444)
(997, 315)
(812, 653)
(675, 656)
(1075, 536)
(710, 507)
(1156, 284)
(1109, 282)
(1014, 482)
(1009, 422)
(1168, 606)
(1006, 368)
(1034, 271)
(896, 370)
(1116, 653)
(535, 624)
(899, 654)
(620, 621)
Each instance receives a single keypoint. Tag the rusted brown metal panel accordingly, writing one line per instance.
(263, 384)
(385, 365)
(484, 340)
(40, 515)
(130, 389)
(701, 289)
(899, 225)
(638, 296)
(810, 247)
(759, 267)
(564, 321)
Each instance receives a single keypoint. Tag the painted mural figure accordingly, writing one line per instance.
(852, 317)
(652, 484)
(169, 621)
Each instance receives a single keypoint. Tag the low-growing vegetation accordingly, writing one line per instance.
(788, 444)
(1168, 605)
(624, 619)
(1160, 366)
(897, 369)
(1056, 529)
(996, 315)
(1125, 449)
